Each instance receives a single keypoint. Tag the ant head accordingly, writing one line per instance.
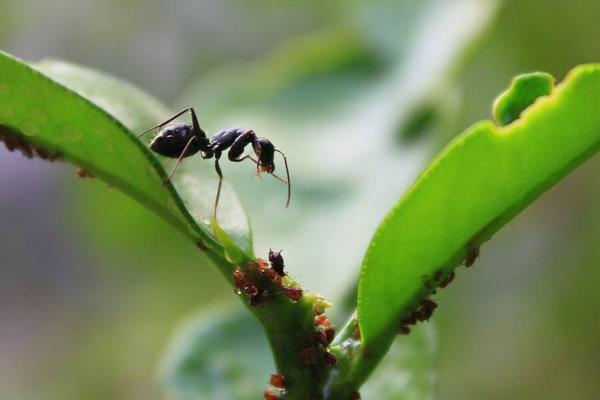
(265, 152)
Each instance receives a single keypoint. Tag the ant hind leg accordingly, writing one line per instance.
(220, 173)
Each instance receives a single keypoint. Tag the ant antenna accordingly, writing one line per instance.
(289, 182)
(180, 113)
(149, 130)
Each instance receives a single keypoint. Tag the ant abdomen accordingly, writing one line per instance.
(172, 140)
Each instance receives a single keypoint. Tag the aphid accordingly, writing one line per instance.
(330, 335)
(271, 395)
(404, 330)
(354, 396)
(429, 305)
(330, 359)
(321, 320)
(356, 334)
(308, 356)
(447, 279)
(410, 320)
(184, 140)
(277, 381)
(85, 174)
(292, 293)
(320, 338)
(276, 261)
(471, 256)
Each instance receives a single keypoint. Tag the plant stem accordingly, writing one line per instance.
(289, 327)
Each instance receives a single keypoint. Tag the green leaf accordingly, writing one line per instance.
(71, 122)
(134, 108)
(476, 185)
(217, 357)
(408, 372)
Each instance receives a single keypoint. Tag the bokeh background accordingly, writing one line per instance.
(360, 95)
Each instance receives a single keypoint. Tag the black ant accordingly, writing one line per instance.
(184, 140)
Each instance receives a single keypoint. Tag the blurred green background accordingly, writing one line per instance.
(360, 94)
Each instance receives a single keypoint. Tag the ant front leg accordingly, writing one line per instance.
(255, 161)
(238, 146)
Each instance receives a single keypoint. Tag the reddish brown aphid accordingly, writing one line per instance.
(82, 173)
(201, 245)
(410, 320)
(292, 293)
(320, 338)
(329, 335)
(262, 264)
(271, 395)
(330, 359)
(239, 278)
(356, 334)
(429, 305)
(471, 256)
(309, 357)
(447, 279)
(404, 330)
(366, 352)
(438, 275)
(354, 396)
(276, 261)
(277, 381)
(323, 322)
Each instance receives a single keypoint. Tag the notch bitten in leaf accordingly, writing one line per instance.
(523, 92)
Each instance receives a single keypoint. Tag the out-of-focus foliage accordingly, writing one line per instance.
(221, 355)
(409, 370)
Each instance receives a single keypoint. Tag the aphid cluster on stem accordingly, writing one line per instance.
(259, 280)
(314, 352)
(423, 312)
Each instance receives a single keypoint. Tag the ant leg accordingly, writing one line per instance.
(249, 157)
(194, 120)
(289, 182)
(179, 159)
(218, 168)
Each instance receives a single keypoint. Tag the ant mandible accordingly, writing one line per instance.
(183, 140)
